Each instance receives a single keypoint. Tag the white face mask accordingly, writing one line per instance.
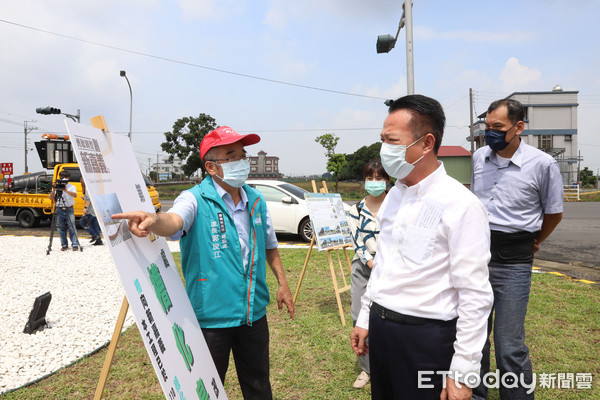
(393, 159)
(235, 173)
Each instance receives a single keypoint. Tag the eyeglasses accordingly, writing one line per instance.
(226, 160)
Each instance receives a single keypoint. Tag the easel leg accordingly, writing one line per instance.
(335, 287)
(348, 260)
(111, 349)
(312, 242)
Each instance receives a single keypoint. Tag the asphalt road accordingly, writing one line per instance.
(576, 240)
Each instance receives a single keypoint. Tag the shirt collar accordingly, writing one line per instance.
(227, 197)
(426, 183)
(517, 157)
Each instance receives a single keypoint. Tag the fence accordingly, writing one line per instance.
(571, 193)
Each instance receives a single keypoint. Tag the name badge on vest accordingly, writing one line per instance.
(258, 220)
(221, 222)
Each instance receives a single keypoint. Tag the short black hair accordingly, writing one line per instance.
(516, 111)
(427, 116)
(65, 172)
(374, 168)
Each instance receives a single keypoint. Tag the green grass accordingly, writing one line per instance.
(170, 192)
(311, 356)
(349, 190)
(594, 196)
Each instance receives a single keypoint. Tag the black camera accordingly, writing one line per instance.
(61, 183)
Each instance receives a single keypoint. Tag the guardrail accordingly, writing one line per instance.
(571, 193)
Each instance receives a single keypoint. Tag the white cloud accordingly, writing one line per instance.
(275, 17)
(393, 92)
(205, 9)
(515, 76)
(473, 36)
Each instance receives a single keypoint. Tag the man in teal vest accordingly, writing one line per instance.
(226, 239)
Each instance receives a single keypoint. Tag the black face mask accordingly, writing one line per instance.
(497, 139)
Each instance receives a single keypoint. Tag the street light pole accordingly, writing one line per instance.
(385, 43)
(124, 75)
(410, 68)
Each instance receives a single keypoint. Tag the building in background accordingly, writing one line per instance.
(167, 170)
(457, 162)
(264, 167)
(550, 125)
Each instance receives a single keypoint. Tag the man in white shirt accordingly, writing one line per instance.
(426, 305)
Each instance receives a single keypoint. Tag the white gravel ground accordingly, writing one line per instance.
(86, 298)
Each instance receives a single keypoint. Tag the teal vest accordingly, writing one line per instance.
(222, 294)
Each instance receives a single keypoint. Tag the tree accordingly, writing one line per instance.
(586, 177)
(184, 140)
(335, 163)
(356, 161)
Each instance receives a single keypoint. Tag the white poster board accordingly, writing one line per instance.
(329, 220)
(156, 295)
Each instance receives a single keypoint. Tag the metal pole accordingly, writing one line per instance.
(124, 75)
(78, 116)
(25, 131)
(471, 113)
(410, 68)
(130, 107)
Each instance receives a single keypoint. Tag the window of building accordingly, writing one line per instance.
(253, 161)
(545, 142)
(253, 169)
(275, 162)
(268, 162)
(568, 138)
(268, 169)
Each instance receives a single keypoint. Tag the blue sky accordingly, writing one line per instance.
(68, 54)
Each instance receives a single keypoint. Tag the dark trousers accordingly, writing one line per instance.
(399, 351)
(250, 346)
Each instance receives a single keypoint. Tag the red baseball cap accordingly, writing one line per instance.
(225, 135)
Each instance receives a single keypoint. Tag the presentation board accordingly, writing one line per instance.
(154, 290)
(329, 220)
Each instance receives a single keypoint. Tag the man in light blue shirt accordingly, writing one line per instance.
(522, 190)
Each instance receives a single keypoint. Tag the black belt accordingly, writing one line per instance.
(394, 316)
(512, 248)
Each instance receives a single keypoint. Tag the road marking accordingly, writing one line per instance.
(542, 271)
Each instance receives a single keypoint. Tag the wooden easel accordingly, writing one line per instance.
(331, 268)
(99, 123)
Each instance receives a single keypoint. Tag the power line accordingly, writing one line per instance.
(191, 64)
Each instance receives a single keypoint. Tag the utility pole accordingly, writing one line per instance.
(26, 130)
(149, 166)
(157, 168)
(471, 125)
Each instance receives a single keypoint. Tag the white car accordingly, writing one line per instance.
(286, 204)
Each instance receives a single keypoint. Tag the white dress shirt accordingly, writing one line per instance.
(432, 261)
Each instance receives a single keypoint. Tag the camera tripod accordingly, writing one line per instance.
(57, 196)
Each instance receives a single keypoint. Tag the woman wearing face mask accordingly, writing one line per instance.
(365, 232)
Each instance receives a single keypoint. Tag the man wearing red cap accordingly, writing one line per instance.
(226, 239)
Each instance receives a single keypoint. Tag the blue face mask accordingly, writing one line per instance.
(375, 188)
(235, 173)
(497, 139)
